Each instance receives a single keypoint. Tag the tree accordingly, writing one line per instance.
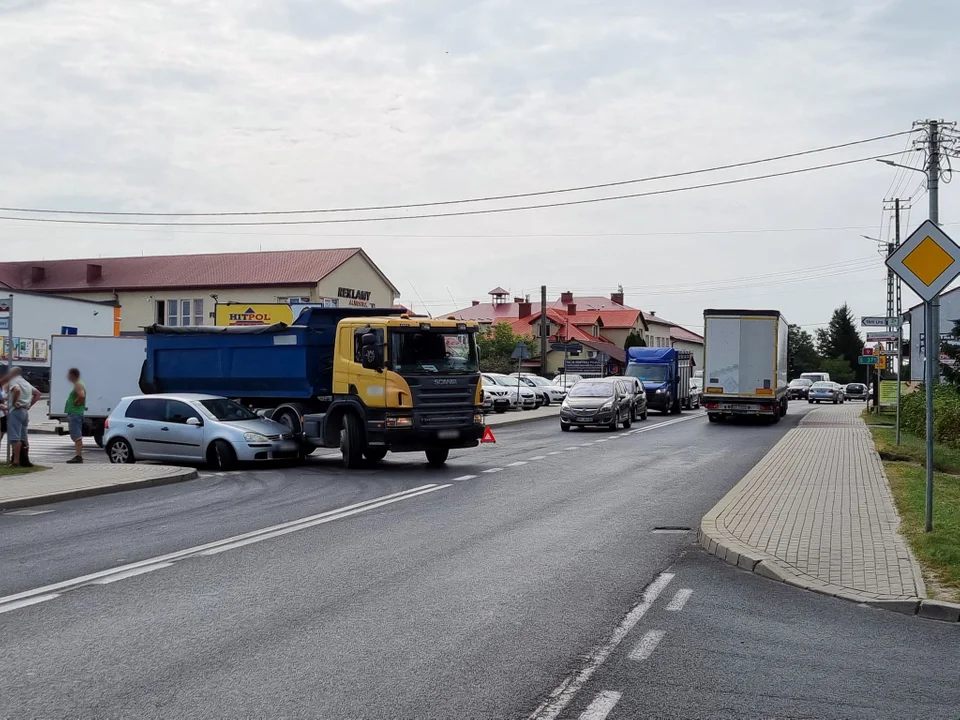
(839, 369)
(634, 339)
(823, 342)
(841, 339)
(802, 356)
(497, 345)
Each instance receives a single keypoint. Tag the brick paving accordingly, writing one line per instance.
(817, 512)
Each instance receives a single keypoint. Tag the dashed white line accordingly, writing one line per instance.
(648, 643)
(572, 447)
(601, 706)
(463, 477)
(131, 573)
(680, 599)
(567, 690)
(518, 463)
(539, 457)
(493, 470)
(555, 452)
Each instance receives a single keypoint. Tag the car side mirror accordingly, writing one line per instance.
(371, 353)
(196, 422)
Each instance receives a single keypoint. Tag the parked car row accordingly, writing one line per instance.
(804, 388)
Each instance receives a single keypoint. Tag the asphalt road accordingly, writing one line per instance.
(473, 597)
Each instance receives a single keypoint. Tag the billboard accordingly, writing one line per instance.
(247, 314)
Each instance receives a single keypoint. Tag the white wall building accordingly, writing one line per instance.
(949, 314)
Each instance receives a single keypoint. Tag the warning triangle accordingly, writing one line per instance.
(488, 436)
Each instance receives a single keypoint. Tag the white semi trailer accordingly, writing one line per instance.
(745, 364)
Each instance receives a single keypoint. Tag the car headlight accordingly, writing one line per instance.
(395, 421)
(606, 406)
(660, 391)
(255, 437)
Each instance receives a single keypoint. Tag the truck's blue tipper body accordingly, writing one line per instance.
(665, 373)
(276, 363)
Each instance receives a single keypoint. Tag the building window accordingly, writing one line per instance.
(301, 300)
(185, 312)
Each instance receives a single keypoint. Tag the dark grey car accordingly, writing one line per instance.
(634, 388)
(597, 402)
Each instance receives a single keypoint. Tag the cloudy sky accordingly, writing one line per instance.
(238, 105)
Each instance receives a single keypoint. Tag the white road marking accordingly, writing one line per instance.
(601, 706)
(131, 573)
(572, 447)
(27, 602)
(539, 457)
(567, 690)
(463, 477)
(11, 602)
(587, 444)
(680, 599)
(648, 643)
(555, 452)
(518, 463)
(493, 470)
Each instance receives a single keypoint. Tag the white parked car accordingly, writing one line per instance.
(551, 393)
(500, 398)
(567, 380)
(523, 396)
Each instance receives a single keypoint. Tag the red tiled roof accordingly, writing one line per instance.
(612, 351)
(280, 267)
(681, 333)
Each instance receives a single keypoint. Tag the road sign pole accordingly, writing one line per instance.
(931, 360)
(899, 375)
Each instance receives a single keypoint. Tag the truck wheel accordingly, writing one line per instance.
(665, 411)
(711, 418)
(375, 454)
(676, 407)
(437, 456)
(351, 441)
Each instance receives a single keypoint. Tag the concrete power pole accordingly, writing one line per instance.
(899, 309)
(933, 200)
(544, 329)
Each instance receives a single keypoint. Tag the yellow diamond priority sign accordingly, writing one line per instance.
(927, 261)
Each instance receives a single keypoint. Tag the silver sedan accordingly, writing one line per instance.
(193, 428)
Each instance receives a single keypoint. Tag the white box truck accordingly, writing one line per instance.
(109, 367)
(745, 364)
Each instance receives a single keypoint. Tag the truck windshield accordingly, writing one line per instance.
(432, 351)
(647, 372)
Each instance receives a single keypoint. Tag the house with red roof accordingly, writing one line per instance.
(184, 289)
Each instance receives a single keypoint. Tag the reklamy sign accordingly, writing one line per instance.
(354, 297)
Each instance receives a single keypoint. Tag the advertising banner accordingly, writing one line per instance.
(243, 314)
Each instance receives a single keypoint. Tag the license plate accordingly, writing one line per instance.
(741, 407)
(448, 434)
(583, 419)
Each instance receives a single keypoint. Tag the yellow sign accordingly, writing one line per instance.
(882, 363)
(242, 314)
(888, 391)
(928, 261)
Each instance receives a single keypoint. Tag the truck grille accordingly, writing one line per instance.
(445, 396)
(446, 419)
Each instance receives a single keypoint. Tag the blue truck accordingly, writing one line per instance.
(665, 373)
(364, 380)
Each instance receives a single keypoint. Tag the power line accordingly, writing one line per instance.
(488, 198)
(462, 213)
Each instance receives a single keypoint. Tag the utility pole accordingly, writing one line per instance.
(896, 244)
(931, 314)
(544, 329)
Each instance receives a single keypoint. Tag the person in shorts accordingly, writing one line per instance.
(21, 397)
(74, 408)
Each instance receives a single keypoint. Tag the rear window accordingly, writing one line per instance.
(147, 409)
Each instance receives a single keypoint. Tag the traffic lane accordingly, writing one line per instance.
(86, 535)
(472, 601)
(742, 646)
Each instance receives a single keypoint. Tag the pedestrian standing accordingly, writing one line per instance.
(22, 397)
(3, 412)
(74, 408)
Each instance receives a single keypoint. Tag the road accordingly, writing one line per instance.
(470, 591)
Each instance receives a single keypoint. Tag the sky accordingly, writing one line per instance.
(250, 105)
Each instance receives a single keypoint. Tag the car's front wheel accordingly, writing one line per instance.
(564, 427)
(221, 455)
(120, 452)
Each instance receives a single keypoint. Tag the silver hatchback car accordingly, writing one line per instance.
(193, 428)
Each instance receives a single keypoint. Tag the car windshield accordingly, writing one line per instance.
(227, 410)
(433, 351)
(648, 372)
(507, 381)
(823, 385)
(801, 382)
(591, 389)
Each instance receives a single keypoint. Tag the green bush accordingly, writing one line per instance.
(946, 414)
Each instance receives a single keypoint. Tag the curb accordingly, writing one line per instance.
(522, 420)
(176, 475)
(752, 560)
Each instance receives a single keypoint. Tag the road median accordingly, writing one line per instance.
(68, 482)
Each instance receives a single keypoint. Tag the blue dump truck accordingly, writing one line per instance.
(665, 373)
(366, 381)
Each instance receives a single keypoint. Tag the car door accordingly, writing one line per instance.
(142, 423)
(181, 440)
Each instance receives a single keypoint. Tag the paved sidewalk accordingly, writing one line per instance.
(66, 482)
(512, 417)
(816, 512)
